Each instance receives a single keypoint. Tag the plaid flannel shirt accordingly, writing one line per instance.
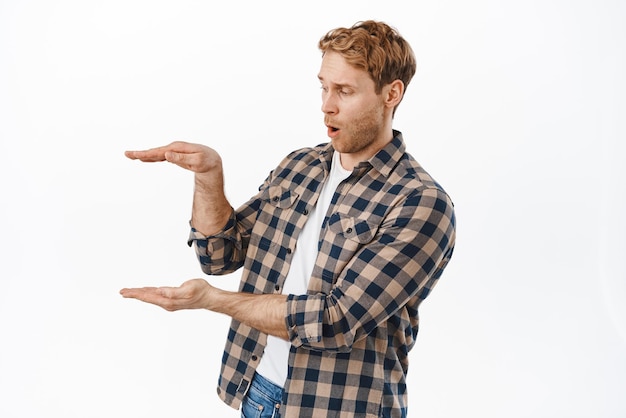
(388, 234)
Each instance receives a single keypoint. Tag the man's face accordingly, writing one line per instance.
(353, 112)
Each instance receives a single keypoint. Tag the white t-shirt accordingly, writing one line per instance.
(273, 365)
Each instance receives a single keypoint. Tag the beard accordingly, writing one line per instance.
(361, 133)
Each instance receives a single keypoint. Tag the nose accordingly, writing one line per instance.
(329, 105)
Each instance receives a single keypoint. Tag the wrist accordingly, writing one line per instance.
(221, 301)
(210, 181)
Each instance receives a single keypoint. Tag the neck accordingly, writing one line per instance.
(349, 160)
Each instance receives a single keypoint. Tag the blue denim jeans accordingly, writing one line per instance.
(262, 400)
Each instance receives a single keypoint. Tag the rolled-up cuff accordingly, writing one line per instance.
(304, 319)
(228, 232)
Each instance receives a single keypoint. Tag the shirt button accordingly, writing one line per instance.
(349, 230)
(306, 212)
(275, 198)
(288, 250)
(254, 357)
(277, 288)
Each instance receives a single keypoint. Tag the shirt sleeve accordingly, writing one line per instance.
(398, 266)
(220, 253)
(225, 251)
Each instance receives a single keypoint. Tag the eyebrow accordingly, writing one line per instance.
(338, 85)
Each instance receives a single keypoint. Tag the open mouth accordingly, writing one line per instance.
(332, 131)
(331, 128)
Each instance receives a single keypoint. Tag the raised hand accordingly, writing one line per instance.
(194, 157)
(211, 210)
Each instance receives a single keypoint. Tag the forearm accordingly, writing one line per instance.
(263, 312)
(225, 250)
(210, 210)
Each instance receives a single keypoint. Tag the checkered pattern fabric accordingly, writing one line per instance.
(388, 234)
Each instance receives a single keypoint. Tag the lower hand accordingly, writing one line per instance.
(193, 294)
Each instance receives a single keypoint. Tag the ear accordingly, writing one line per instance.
(393, 93)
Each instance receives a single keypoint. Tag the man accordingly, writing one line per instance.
(339, 247)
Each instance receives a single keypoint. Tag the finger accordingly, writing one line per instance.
(158, 153)
(152, 295)
(185, 160)
(148, 156)
(171, 292)
(146, 294)
(138, 292)
(193, 161)
(174, 157)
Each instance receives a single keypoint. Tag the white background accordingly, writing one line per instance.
(517, 109)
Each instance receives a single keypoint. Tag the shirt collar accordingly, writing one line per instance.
(385, 160)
